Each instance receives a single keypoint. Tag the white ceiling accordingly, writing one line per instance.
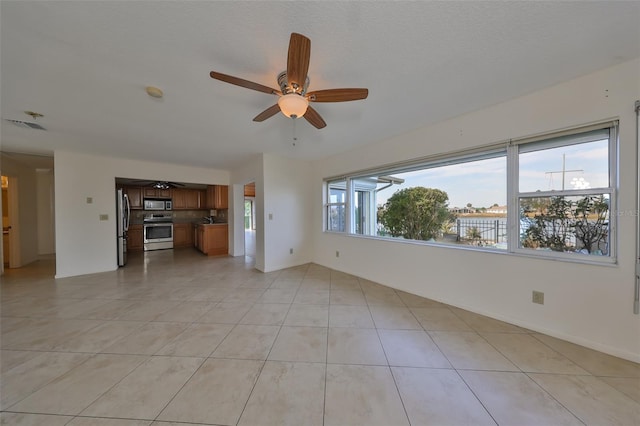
(84, 65)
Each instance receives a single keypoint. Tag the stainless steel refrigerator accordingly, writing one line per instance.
(123, 213)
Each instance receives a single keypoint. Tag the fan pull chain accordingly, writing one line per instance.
(295, 138)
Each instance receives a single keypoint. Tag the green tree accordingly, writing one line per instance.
(416, 213)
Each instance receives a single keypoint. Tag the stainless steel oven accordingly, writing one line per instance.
(158, 232)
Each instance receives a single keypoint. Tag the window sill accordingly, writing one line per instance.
(548, 256)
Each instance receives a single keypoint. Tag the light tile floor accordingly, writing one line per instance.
(178, 338)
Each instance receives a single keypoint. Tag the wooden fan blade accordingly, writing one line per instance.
(243, 83)
(337, 95)
(269, 112)
(314, 118)
(298, 60)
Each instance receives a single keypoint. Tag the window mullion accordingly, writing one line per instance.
(513, 203)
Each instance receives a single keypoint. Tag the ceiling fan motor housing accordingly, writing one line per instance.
(286, 88)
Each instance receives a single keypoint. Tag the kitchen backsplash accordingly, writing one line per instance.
(184, 215)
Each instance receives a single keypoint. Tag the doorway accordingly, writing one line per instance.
(249, 220)
(10, 224)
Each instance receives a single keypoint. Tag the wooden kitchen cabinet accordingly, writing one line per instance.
(135, 238)
(182, 235)
(217, 197)
(157, 193)
(135, 197)
(192, 199)
(178, 197)
(212, 240)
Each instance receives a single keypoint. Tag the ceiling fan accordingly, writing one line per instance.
(158, 184)
(294, 98)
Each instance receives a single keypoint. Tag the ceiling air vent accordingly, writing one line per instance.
(26, 124)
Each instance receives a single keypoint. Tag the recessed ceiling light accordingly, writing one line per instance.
(154, 92)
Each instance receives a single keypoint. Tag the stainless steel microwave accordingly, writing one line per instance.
(154, 204)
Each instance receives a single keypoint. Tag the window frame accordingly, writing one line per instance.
(328, 204)
(513, 148)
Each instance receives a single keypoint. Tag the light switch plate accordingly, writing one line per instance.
(89, 200)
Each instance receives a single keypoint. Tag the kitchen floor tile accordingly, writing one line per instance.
(308, 315)
(266, 314)
(101, 421)
(362, 395)
(147, 339)
(287, 393)
(186, 312)
(355, 346)
(147, 390)
(590, 399)
(74, 391)
(21, 381)
(217, 393)
(482, 323)
(596, 363)
(198, 340)
(392, 317)
(411, 348)
(247, 342)
(99, 337)
(26, 419)
(347, 297)
(226, 313)
(628, 386)
(515, 399)
(530, 355)
(469, 351)
(312, 297)
(438, 397)
(350, 316)
(439, 319)
(305, 344)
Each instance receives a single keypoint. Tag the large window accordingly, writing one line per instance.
(548, 196)
(565, 192)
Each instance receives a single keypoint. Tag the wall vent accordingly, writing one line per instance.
(26, 124)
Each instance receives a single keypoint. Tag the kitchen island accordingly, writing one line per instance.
(212, 239)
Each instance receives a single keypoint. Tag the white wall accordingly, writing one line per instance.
(283, 190)
(252, 171)
(84, 244)
(45, 212)
(288, 212)
(27, 203)
(586, 304)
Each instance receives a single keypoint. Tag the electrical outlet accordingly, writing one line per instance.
(104, 217)
(538, 297)
(89, 200)
(337, 253)
(290, 251)
(270, 216)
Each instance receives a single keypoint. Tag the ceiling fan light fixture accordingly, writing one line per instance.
(161, 185)
(293, 105)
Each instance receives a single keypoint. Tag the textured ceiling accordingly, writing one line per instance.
(84, 65)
